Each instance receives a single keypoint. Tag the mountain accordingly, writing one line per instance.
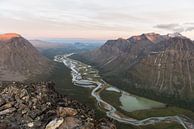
(53, 48)
(43, 45)
(19, 60)
(119, 54)
(152, 65)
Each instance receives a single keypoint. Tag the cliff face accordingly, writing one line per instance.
(167, 68)
(159, 63)
(19, 60)
(38, 106)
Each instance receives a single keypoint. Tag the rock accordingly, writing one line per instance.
(2, 102)
(30, 124)
(4, 125)
(26, 98)
(23, 93)
(105, 124)
(39, 106)
(65, 111)
(7, 111)
(70, 123)
(88, 126)
(7, 105)
(34, 100)
(34, 113)
(24, 111)
(54, 123)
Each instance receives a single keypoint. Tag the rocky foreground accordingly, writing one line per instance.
(39, 106)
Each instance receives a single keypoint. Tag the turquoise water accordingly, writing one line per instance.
(132, 103)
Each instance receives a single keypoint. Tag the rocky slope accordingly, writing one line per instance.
(19, 60)
(122, 53)
(148, 64)
(38, 106)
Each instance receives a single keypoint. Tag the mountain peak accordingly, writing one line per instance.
(173, 35)
(150, 34)
(8, 36)
(18, 57)
(121, 39)
(147, 62)
(152, 37)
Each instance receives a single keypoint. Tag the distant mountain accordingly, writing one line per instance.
(148, 64)
(74, 40)
(53, 48)
(43, 45)
(19, 60)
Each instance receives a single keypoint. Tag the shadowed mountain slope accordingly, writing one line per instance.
(19, 60)
(152, 65)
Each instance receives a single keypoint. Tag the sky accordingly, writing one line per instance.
(96, 19)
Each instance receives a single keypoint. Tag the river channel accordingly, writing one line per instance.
(85, 76)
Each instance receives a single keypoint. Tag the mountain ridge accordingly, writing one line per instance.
(8, 36)
(160, 69)
(19, 59)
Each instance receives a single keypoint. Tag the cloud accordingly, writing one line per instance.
(189, 23)
(189, 29)
(185, 27)
(95, 17)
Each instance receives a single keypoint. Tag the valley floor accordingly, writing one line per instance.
(62, 77)
(154, 112)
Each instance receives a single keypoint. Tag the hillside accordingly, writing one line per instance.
(151, 65)
(20, 60)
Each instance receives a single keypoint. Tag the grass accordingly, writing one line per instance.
(110, 96)
(156, 126)
(143, 114)
(168, 111)
(63, 80)
(62, 77)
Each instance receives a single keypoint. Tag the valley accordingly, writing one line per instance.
(107, 77)
(86, 77)
(159, 67)
(97, 64)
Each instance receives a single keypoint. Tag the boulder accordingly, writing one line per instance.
(54, 124)
(6, 106)
(65, 111)
(70, 123)
(31, 124)
(2, 101)
(7, 111)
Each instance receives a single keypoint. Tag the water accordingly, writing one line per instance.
(132, 103)
(85, 76)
